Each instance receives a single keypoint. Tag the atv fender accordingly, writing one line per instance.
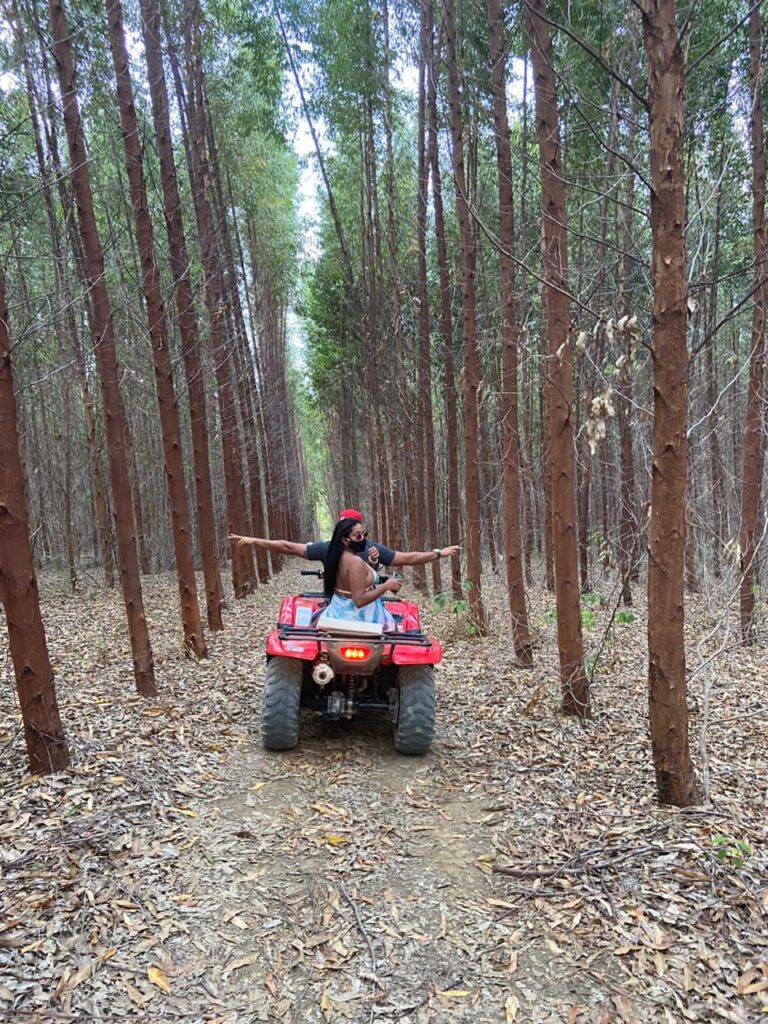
(402, 655)
(306, 650)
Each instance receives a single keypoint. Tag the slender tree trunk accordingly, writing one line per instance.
(94, 453)
(627, 514)
(471, 351)
(214, 297)
(752, 472)
(446, 325)
(629, 543)
(106, 356)
(510, 457)
(714, 452)
(257, 503)
(194, 640)
(487, 504)
(190, 342)
(43, 732)
(65, 322)
(526, 469)
(66, 440)
(237, 336)
(138, 505)
(529, 390)
(675, 780)
(429, 497)
(254, 402)
(411, 480)
(574, 681)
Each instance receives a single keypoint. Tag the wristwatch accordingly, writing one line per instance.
(438, 552)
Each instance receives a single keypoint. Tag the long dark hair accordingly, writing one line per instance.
(335, 549)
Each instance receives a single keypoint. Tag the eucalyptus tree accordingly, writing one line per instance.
(573, 677)
(510, 455)
(452, 500)
(675, 780)
(106, 355)
(468, 245)
(187, 320)
(43, 732)
(756, 421)
(194, 639)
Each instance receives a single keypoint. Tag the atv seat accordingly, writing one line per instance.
(348, 626)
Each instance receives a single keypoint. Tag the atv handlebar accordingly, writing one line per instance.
(313, 572)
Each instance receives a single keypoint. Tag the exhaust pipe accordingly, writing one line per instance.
(322, 673)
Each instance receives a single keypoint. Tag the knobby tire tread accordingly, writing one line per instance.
(281, 707)
(416, 720)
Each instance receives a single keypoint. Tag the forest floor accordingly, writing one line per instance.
(178, 871)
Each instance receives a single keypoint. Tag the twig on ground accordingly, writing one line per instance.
(363, 932)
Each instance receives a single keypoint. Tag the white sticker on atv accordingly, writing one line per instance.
(303, 615)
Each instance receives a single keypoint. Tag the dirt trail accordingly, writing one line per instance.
(361, 886)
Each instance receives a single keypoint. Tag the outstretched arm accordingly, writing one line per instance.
(422, 557)
(283, 547)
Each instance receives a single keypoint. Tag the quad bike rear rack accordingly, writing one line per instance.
(394, 638)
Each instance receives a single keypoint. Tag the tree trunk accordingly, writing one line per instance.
(425, 369)
(752, 472)
(510, 457)
(411, 482)
(629, 529)
(573, 678)
(138, 507)
(237, 336)
(546, 449)
(714, 453)
(190, 342)
(471, 352)
(106, 356)
(675, 780)
(43, 732)
(446, 325)
(214, 298)
(94, 453)
(66, 328)
(194, 640)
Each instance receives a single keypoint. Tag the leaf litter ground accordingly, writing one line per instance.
(520, 872)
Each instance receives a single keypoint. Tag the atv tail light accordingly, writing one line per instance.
(355, 653)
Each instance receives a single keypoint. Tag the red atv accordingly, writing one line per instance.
(342, 667)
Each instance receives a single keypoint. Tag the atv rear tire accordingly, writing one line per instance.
(416, 716)
(281, 706)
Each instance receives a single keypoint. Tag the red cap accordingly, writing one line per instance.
(351, 513)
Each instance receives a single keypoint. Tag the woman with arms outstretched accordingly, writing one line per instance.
(350, 583)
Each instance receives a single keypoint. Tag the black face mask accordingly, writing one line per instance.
(356, 545)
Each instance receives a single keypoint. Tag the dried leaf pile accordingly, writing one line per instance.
(521, 872)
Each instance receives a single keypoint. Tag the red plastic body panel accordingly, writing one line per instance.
(297, 611)
(304, 649)
(417, 655)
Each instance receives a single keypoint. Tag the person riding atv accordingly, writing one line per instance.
(343, 652)
(372, 551)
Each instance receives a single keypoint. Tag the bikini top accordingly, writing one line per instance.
(374, 583)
